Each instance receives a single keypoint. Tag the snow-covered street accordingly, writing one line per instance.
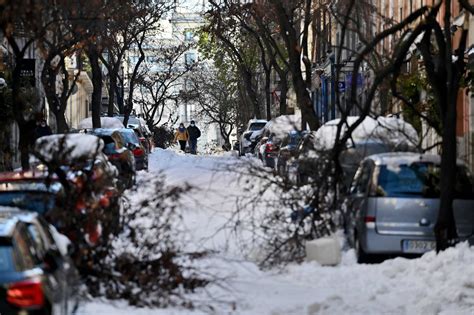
(442, 284)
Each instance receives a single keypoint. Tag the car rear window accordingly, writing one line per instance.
(257, 126)
(420, 180)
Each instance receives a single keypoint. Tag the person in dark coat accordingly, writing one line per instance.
(42, 129)
(194, 134)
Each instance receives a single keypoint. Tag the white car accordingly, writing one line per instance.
(248, 137)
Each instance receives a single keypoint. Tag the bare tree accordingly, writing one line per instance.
(216, 97)
(158, 84)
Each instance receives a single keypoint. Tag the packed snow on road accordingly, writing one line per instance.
(432, 284)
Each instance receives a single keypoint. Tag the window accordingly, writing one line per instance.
(188, 35)
(362, 179)
(420, 180)
(190, 58)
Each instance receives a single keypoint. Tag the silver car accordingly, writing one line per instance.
(393, 205)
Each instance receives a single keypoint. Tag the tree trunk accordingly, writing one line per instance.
(268, 95)
(48, 78)
(283, 93)
(93, 56)
(252, 94)
(445, 228)
(61, 122)
(292, 37)
(112, 86)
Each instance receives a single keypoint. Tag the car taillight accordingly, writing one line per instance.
(26, 294)
(369, 219)
(138, 152)
(269, 147)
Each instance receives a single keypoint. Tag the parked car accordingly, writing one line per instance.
(81, 188)
(144, 141)
(288, 150)
(274, 134)
(31, 191)
(136, 123)
(248, 138)
(135, 145)
(35, 277)
(115, 147)
(394, 201)
(267, 150)
(372, 136)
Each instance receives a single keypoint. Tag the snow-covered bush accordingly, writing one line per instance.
(283, 215)
(147, 265)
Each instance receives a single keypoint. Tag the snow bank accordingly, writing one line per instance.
(105, 122)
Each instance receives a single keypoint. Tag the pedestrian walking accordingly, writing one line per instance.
(181, 136)
(194, 134)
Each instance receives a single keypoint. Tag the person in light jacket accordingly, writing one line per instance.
(181, 136)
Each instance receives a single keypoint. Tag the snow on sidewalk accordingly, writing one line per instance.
(432, 284)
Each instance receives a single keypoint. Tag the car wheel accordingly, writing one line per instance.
(361, 255)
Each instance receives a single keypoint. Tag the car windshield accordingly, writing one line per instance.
(419, 180)
(37, 201)
(256, 126)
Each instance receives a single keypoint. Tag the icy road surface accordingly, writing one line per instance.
(433, 284)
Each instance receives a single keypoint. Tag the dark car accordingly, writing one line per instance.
(30, 191)
(115, 147)
(134, 144)
(288, 150)
(138, 124)
(144, 140)
(35, 277)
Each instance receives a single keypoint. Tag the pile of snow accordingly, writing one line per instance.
(69, 147)
(326, 251)
(105, 122)
(391, 131)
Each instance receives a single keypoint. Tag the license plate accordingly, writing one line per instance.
(418, 247)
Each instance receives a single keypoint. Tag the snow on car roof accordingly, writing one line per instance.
(105, 122)
(68, 147)
(282, 125)
(389, 130)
